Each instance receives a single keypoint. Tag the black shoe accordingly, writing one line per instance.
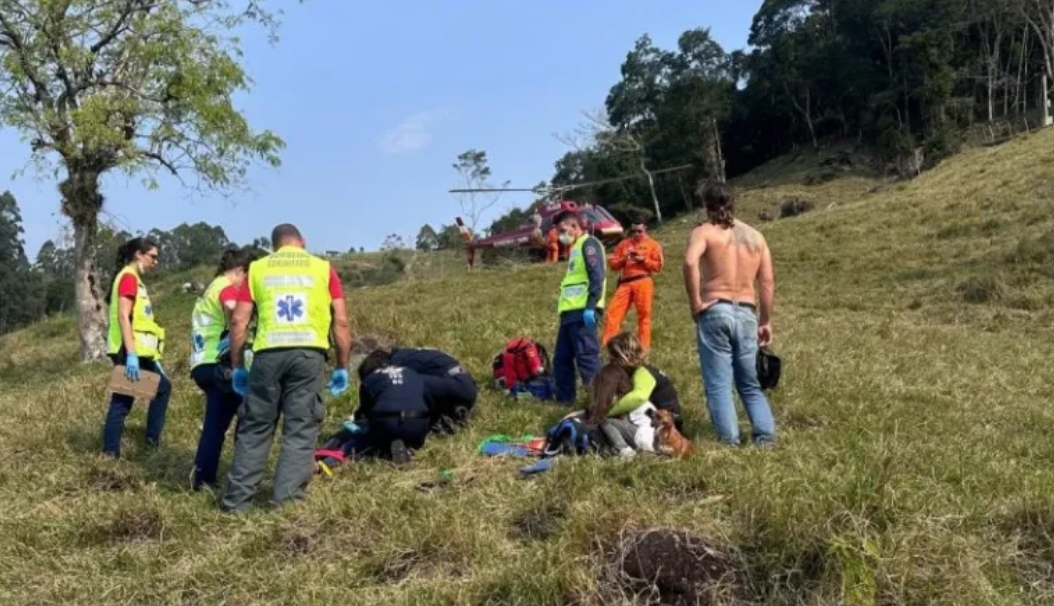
(400, 456)
(462, 416)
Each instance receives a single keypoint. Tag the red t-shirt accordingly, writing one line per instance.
(128, 286)
(230, 294)
(336, 289)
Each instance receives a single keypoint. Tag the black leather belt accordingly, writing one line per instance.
(402, 414)
(633, 279)
(737, 303)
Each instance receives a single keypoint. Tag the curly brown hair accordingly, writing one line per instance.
(610, 384)
(719, 200)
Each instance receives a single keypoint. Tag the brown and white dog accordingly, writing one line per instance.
(668, 440)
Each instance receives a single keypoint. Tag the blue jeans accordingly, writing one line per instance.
(121, 405)
(221, 406)
(576, 345)
(727, 336)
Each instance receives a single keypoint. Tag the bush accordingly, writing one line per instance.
(793, 207)
(820, 178)
(984, 289)
(391, 268)
(1037, 249)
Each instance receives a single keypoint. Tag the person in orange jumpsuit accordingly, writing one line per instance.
(637, 259)
(554, 246)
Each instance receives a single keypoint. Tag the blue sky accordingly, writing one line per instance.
(375, 100)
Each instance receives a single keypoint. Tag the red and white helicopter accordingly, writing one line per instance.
(599, 221)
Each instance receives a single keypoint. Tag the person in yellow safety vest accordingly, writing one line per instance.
(210, 328)
(299, 303)
(581, 305)
(136, 341)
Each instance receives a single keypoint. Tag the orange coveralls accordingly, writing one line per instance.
(554, 246)
(635, 286)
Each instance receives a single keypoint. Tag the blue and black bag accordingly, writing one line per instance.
(572, 437)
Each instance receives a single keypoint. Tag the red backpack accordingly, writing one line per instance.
(520, 361)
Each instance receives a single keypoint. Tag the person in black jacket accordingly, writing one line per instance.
(392, 404)
(450, 390)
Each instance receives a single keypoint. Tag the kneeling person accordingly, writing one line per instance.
(392, 403)
(449, 389)
(649, 383)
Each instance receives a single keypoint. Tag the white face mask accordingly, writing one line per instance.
(565, 238)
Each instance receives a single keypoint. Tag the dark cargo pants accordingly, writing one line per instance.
(287, 383)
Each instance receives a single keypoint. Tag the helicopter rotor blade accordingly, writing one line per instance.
(549, 191)
(622, 178)
(470, 191)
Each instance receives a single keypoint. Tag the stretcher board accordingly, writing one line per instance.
(145, 387)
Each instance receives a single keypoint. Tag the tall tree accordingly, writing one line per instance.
(473, 169)
(393, 242)
(103, 85)
(21, 302)
(427, 239)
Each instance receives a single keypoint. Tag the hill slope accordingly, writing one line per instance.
(914, 467)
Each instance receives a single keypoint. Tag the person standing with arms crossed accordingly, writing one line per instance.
(733, 256)
(299, 302)
(637, 259)
(582, 293)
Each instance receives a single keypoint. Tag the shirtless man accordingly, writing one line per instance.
(733, 256)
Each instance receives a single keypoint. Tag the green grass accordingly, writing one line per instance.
(915, 466)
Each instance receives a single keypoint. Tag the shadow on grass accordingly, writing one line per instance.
(168, 467)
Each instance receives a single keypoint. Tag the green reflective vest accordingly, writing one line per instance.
(207, 324)
(149, 336)
(574, 289)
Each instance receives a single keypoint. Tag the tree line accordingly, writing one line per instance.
(97, 87)
(36, 289)
(906, 79)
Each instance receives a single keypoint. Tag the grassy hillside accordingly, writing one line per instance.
(915, 466)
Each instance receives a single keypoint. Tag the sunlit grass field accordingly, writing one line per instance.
(916, 435)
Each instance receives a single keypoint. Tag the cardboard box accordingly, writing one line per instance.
(145, 387)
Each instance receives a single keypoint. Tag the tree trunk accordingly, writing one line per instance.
(651, 185)
(684, 194)
(82, 202)
(806, 111)
(718, 155)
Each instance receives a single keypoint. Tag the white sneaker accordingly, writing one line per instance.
(627, 453)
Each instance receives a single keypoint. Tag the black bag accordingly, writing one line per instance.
(769, 366)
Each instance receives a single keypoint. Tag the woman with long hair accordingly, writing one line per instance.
(649, 383)
(210, 327)
(135, 340)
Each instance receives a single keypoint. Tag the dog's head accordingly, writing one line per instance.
(662, 418)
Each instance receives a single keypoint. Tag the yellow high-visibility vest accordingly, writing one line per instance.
(149, 336)
(574, 289)
(291, 290)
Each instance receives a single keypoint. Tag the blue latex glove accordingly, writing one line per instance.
(131, 367)
(225, 343)
(590, 316)
(240, 381)
(338, 381)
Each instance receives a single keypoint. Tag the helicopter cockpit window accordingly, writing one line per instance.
(602, 214)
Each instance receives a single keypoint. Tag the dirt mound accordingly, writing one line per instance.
(134, 525)
(669, 567)
(792, 207)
